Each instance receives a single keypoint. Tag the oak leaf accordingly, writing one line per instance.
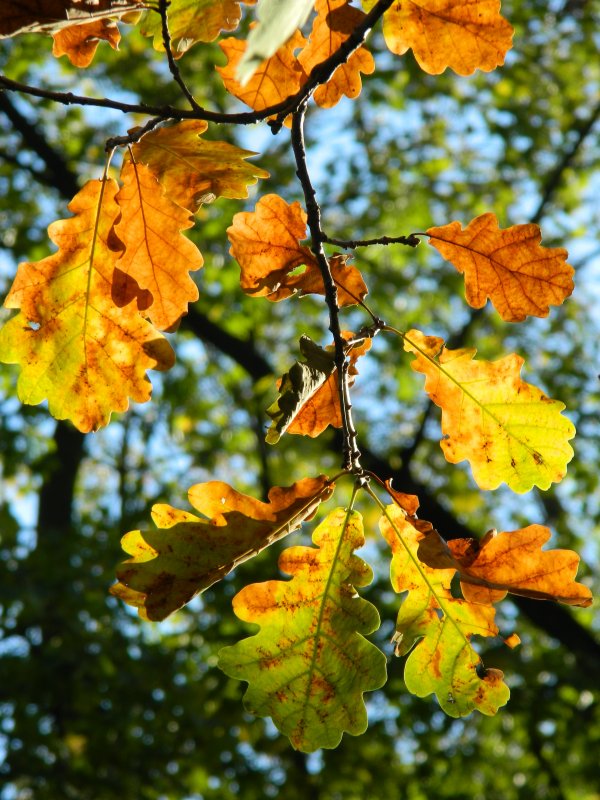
(157, 256)
(192, 21)
(276, 79)
(193, 170)
(75, 347)
(187, 554)
(507, 429)
(435, 628)
(322, 408)
(464, 35)
(266, 244)
(310, 664)
(509, 266)
(79, 42)
(49, 16)
(508, 562)
(335, 21)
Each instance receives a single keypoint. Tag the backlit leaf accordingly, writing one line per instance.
(274, 80)
(335, 21)
(464, 35)
(157, 256)
(278, 20)
(520, 277)
(49, 16)
(266, 244)
(75, 347)
(507, 429)
(79, 42)
(192, 21)
(435, 629)
(193, 170)
(509, 562)
(310, 664)
(186, 554)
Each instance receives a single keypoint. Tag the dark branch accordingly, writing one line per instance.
(173, 68)
(412, 240)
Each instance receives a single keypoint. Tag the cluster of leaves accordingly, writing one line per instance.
(91, 321)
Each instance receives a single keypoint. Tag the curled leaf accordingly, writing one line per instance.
(310, 664)
(334, 23)
(79, 42)
(520, 277)
(76, 348)
(435, 629)
(193, 170)
(186, 554)
(508, 562)
(508, 430)
(49, 16)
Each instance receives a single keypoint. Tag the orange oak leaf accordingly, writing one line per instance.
(464, 35)
(276, 79)
(157, 256)
(335, 21)
(193, 170)
(75, 347)
(409, 503)
(508, 562)
(186, 554)
(266, 244)
(192, 21)
(79, 42)
(509, 266)
(49, 16)
(507, 429)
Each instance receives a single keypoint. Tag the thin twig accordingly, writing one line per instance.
(313, 213)
(412, 240)
(174, 69)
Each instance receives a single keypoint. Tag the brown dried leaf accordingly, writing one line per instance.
(49, 16)
(335, 21)
(509, 266)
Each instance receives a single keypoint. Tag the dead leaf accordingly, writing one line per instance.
(266, 244)
(464, 35)
(508, 562)
(193, 170)
(335, 21)
(509, 266)
(49, 16)
(188, 554)
(79, 42)
(157, 256)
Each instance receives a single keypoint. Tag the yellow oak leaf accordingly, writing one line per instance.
(79, 42)
(511, 561)
(49, 16)
(186, 554)
(435, 629)
(520, 277)
(157, 256)
(193, 170)
(335, 21)
(276, 79)
(75, 347)
(192, 21)
(464, 35)
(507, 429)
(266, 244)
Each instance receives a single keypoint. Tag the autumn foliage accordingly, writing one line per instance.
(90, 322)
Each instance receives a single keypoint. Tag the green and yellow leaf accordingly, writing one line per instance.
(186, 554)
(509, 266)
(507, 430)
(309, 665)
(76, 348)
(193, 170)
(435, 629)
